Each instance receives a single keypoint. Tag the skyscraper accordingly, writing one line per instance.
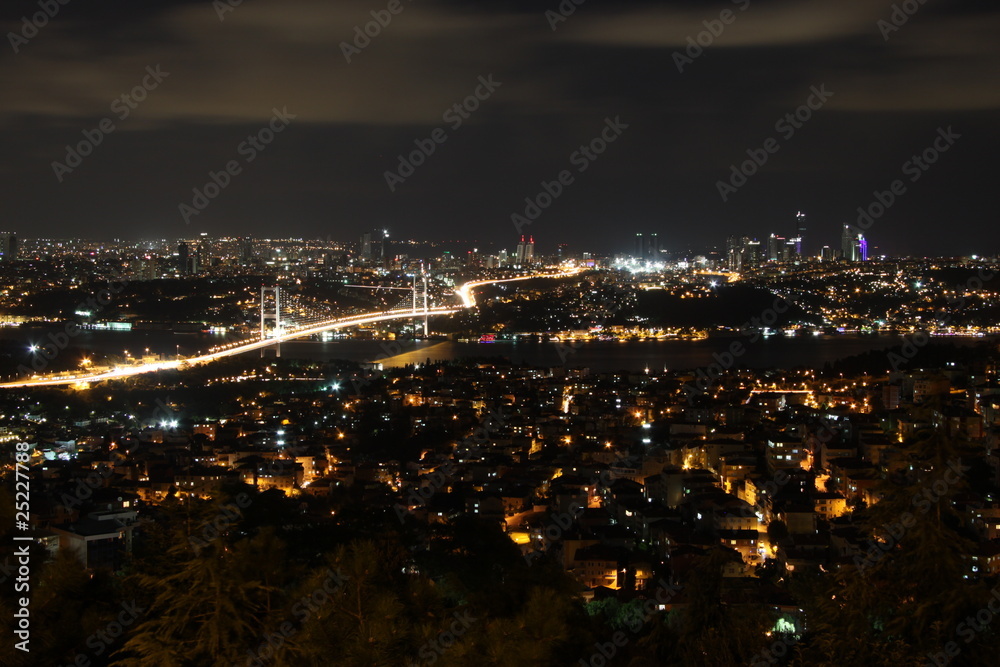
(373, 245)
(187, 261)
(775, 248)
(742, 253)
(800, 232)
(734, 252)
(366, 246)
(647, 246)
(853, 245)
(525, 251)
(848, 249)
(8, 246)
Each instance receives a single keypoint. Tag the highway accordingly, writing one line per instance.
(464, 292)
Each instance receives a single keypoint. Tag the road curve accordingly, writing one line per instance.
(465, 293)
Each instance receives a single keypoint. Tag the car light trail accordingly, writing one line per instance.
(465, 293)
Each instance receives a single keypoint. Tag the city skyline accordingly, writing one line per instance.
(313, 159)
(455, 332)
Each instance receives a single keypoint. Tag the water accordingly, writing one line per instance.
(598, 356)
(605, 356)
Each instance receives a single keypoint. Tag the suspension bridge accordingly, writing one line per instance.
(285, 329)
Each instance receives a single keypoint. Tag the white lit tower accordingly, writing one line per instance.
(800, 232)
(525, 253)
(420, 296)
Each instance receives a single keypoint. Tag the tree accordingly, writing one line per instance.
(206, 613)
(906, 596)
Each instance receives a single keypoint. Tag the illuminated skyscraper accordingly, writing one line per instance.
(853, 245)
(373, 245)
(8, 246)
(800, 232)
(847, 247)
(742, 252)
(775, 248)
(525, 253)
(647, 247)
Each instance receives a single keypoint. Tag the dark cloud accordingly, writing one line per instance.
(325, 175)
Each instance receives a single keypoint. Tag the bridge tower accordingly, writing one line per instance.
(270, 309)
(420, 297)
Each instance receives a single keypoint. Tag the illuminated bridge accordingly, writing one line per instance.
(280, 334)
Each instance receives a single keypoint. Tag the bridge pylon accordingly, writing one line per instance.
(270, 309)
(420, 297)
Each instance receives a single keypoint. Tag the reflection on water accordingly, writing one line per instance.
(604, 356)
(600, 356)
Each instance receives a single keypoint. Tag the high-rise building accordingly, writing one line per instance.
(800, 232)
(647, 247)
(187, 260)
(8, 246)
(776, 248)
(525, 254)
(752, 255)
(734, 252)
(853, 245)
(246, 250)
(742, 253)
(373, 245)
(847, 246)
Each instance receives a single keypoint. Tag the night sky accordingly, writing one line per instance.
(324, 173)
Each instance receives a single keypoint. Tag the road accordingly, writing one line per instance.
(465, 293)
